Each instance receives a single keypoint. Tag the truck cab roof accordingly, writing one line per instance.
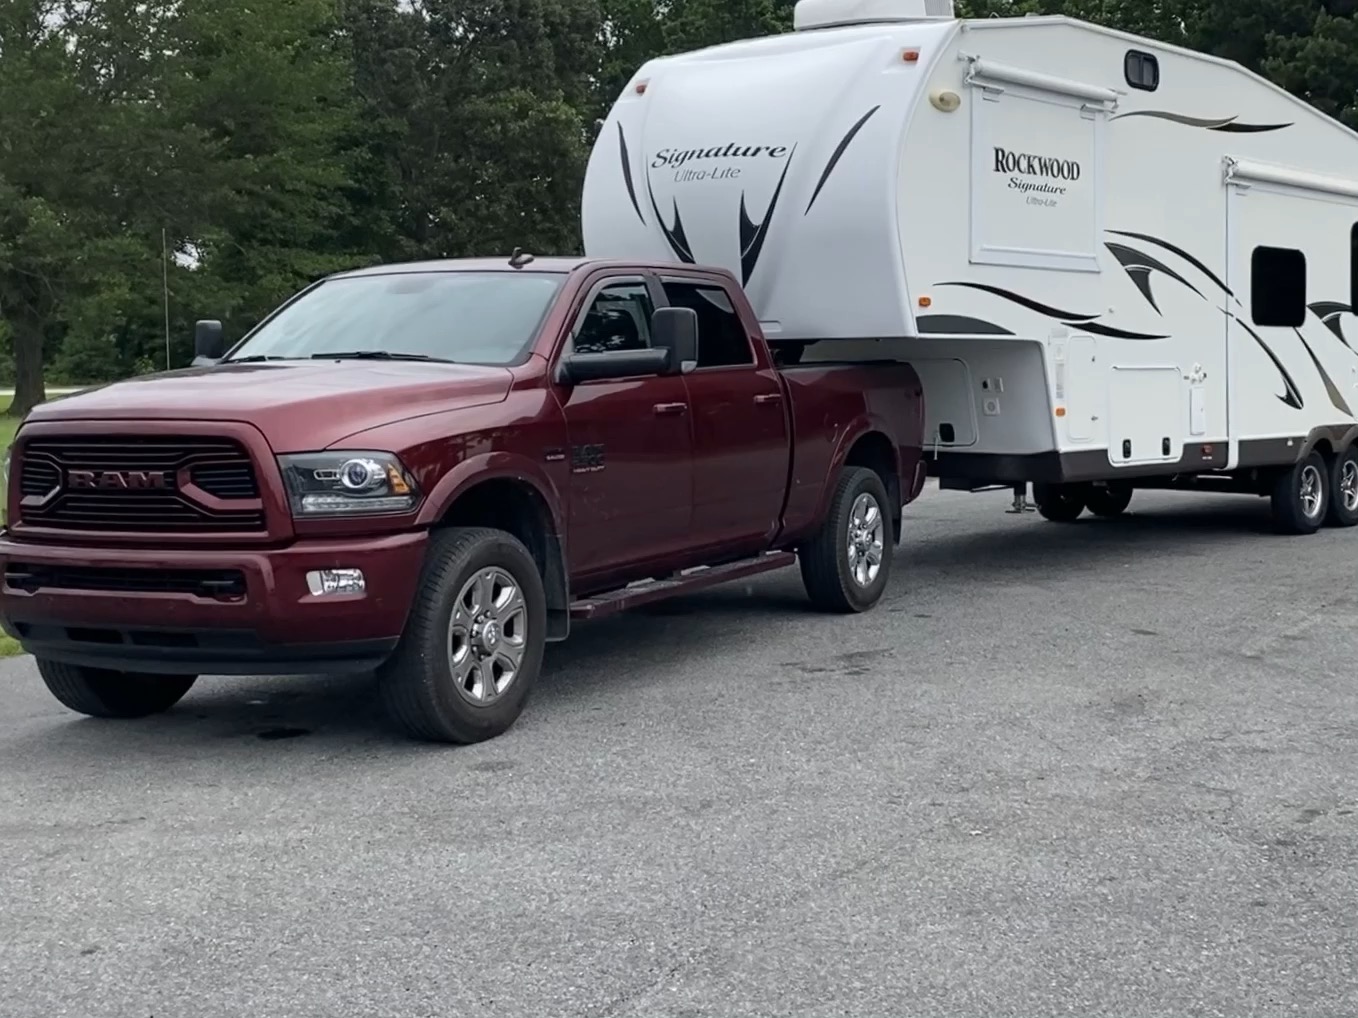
(555, 264)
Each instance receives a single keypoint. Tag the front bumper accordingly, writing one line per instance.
(130, 609)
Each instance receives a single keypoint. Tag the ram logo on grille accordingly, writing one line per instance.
(117, 480)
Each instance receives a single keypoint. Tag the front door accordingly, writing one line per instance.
(741, 447)
(630, 443)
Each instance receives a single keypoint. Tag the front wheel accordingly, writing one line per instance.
(1301, 496)
(1111, 500)
(474, 641)
(1059, 503)
(847, 565)
(102, 693)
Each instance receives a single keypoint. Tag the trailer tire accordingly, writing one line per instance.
(103, 693)
(831, 566)
(473, 644)
(1109, 501)
(1058, 502)
(1343, 510)
(1301, 496)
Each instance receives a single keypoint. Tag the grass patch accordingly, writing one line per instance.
(9, 647)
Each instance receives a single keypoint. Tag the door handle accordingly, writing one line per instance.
(670, 409)
(766, 398)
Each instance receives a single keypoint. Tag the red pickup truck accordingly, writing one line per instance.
(432, 469)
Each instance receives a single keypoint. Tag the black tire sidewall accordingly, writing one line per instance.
(1112, 500)
(864, 482)
(455, 713)
(1287, 507)
(1335, 511)
(1058, 503)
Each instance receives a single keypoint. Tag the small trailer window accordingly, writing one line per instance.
(1278, 287)
(1353, 268)
(1142, 70)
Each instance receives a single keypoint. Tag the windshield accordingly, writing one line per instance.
(468, 317)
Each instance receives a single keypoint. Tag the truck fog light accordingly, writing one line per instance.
(336, 581)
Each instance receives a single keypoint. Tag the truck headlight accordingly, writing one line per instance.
(347, 483)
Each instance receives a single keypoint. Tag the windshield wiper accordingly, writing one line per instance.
(255, 358)
(375, 355)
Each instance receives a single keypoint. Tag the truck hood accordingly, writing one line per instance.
(298, 405)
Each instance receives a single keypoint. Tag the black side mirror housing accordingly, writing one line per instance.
(209, 343)
(676, 330)
(595, 367)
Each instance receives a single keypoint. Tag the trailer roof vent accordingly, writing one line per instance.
(811, 14)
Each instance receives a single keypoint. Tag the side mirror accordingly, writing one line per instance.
(595, 367)
(208, 342)
(676, 330)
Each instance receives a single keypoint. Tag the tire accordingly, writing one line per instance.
(1109, 501)
(1294, 510)
(1059, 503)
(1343, 511)
(831, 579)
(454, 677)
(102, 693)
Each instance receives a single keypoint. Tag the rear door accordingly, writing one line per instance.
(630, 442)
(740, 424)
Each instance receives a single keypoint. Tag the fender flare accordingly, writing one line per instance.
(505, 466)
(864, 424)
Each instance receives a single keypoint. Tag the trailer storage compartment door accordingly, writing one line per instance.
(1036, 168)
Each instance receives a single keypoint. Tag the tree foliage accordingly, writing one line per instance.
(224, 153)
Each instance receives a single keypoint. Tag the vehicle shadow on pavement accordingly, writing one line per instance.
(285, 715)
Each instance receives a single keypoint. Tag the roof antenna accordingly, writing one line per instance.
(519, 258)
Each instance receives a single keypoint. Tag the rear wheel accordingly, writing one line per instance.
(847, 565)
(101, 693)
(1059, 502)
(473, 644)
(1343, 511)
(1110, 500)
(1301, 496)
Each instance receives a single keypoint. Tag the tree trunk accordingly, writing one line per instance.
(29, 387)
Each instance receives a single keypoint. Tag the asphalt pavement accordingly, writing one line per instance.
(1101, 769)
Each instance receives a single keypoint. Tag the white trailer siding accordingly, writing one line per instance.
(1058, 253)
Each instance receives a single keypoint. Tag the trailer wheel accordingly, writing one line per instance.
(102, 693)
(1059, 503)
(847, 565)
(1112, 500)
(473, 644)
(1301, 496)
(1343, 510)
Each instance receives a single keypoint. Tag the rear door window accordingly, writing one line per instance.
(722, 339)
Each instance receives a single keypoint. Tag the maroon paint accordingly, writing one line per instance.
(696, 469)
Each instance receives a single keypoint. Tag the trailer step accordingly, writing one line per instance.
(685, 583)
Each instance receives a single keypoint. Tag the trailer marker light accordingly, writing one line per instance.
(1060, 411)
(336, 581)
(926, 302)
(910, 56)
(641, 87)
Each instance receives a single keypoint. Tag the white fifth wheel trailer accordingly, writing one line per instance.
(1114, 263)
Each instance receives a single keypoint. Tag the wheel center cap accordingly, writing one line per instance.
(489, 637)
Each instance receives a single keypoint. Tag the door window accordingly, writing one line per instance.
(619, 318)
(722, 339)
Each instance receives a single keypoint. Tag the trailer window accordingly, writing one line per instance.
(1278, 287)
(619, 318)
(722, 339)
(1353, 268)
(1142, 70)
